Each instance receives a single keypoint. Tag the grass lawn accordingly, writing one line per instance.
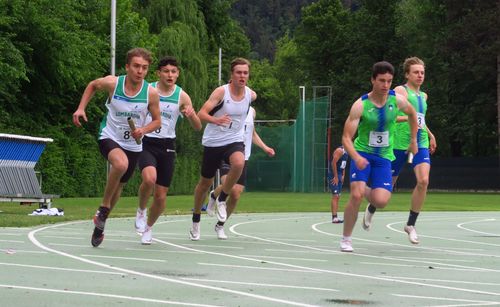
(15, 215)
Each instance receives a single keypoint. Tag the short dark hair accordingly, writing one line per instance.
(239, 61)
(168, 60)
(381, 68)
(139, 52)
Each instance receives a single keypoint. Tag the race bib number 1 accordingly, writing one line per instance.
(379, 139)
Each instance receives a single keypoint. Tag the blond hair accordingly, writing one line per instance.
(411, 61)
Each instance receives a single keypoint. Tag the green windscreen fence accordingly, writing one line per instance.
(301, 146)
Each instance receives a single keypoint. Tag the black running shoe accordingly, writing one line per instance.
(99, 222)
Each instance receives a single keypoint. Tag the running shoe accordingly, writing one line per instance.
(141, 218)
(337, 220)
(211, 204)
(412, 234)
(194, 232)
(221, 235)
(99, 223)
(346, 245)
(147, 236)
(367, 219)
(221, 211)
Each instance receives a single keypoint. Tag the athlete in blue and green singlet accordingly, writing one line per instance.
(414, 69)
(373, 117)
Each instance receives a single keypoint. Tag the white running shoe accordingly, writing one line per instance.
(194, 233)
(141, 218)
(412, 234)
(367, 219)
(337, 220)
(346, 245)
(147, 236)
(211, 204)
(221, 235)
(221, 211)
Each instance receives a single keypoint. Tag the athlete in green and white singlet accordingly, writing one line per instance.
(120, 106)
(169, 111)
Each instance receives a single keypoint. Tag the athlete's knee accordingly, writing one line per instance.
(357, 196)
(120, 166)
(204, 183)
(423, 182)
(236, 193)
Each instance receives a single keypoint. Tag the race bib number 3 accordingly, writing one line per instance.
(421, 120)
(379, 139)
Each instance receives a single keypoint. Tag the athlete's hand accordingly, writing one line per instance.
(224, 120)
(76, 117)
(138, 133)
(188, 111)
(270, 152)
(361, 163)
(413, 148)
(335, 180)
(432, 144)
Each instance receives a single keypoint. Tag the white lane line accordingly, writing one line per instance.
(474, 302)
(296, 251)
(63, 237)
(286, 258)
(13, 250)
(256, 267)
(33, 239)
(422, 249)
(434, 259)
(420, 266)
(461, 226)
(124, 258)
(232, 229)
(58, 269)
(132, 298)
(260, 284)
(291, 240)
(11, 234)
(442, 238)
(159, 251)
(11, 241)
(70, 245)
(216, 246)
(449, 281)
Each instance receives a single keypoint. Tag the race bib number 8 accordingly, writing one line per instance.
(379, 139)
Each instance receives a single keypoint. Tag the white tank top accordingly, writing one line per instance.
(249, 126)
(169, 113)
(120, 107)
(216, 136)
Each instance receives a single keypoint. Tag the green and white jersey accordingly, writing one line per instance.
(114, 124)
(376, 127)
(169, 111)
(402, 133)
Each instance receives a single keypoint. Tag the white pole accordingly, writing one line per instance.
(113, 55)
(113, 36)
(303, 88)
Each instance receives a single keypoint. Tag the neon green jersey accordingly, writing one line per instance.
(402, 133)
(376, 127)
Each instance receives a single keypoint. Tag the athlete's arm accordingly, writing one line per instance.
(350, 128)
(432, 140)
(409, 110)
(336, 156)
(401, 91)
(214, 99)
(258, 141)
(254, 96)
(154, 110)
(102, 84)
(187, 110)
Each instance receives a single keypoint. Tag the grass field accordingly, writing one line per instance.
(15, 215)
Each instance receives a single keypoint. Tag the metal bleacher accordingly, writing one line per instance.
(18, 181)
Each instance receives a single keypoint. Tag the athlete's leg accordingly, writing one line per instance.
(200, 193)
(147, 186)
(158, 205)
(237, 162)
(234, 197)
(119, 164)
(352, 206)
(420, 191)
